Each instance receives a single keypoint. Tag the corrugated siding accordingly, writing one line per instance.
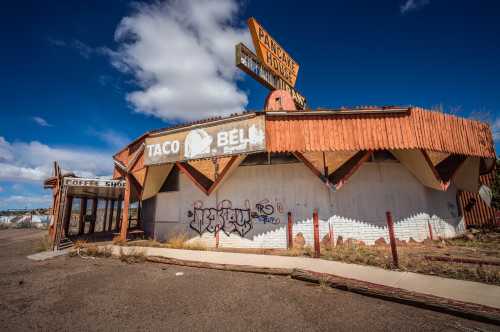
(419, 129)
(475, 211)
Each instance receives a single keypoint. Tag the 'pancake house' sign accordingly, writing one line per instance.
(272, 54)
(229, 138)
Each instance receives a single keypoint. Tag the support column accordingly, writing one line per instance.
(67, 215)
(111, 213)
(316, 234)
(83, 211)
(94, 216)
(290, 230)
(118, 214)
(126, 203)
(139, 220)
(105, 216)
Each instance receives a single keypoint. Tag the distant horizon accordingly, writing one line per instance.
(86, 78)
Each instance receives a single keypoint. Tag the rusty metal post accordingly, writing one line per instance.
(431, 236)
(317, 250)
(126, 205)
(94, 216)
(111, 213)
(217, 236)
(290, 230)
(83, 212)
(392, 239)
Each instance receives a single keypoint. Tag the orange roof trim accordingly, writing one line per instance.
(415, 129)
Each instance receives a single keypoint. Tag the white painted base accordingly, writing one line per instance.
(356, 211)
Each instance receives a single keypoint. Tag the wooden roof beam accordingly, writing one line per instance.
(342, 174)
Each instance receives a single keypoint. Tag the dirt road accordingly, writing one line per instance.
(108, 295)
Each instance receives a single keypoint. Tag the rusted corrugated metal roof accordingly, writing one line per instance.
(416, 129)
(474, 209)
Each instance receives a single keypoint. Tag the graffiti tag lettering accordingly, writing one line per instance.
(264, 210)
(224, 217)
(232, 220)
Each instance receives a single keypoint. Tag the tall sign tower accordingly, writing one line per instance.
(272, 66)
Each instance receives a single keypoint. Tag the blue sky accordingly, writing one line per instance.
(80, 79)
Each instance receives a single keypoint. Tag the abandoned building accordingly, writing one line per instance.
(255, 180)
(288, 173)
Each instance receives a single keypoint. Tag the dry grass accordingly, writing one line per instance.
(177, 241)
(44, 244)
(195, 245)
(146, 243)
(134, 255)
(412, 258)
(118, 241)
(80, 244)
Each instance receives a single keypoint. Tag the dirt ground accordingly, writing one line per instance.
(71, 293)
(413, 255)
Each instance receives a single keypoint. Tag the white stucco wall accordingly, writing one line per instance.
(356, 211)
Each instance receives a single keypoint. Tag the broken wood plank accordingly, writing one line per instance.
(224, 267)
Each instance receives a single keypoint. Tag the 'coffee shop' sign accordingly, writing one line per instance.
(229, 138)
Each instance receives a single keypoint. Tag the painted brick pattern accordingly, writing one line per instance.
(356, 211)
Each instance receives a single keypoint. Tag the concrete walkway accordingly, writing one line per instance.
(466, 291)
(44, 255)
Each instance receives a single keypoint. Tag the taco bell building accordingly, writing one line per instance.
(256, 179)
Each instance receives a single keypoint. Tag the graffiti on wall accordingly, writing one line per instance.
(229, 219)
(224, 217)
(264, 211)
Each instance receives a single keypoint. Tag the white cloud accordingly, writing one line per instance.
(181, 54)
(411, 5)
(29, 201)
(41, 121)
(111, 138)
(85, 50)
(33, 161)
(56, 42)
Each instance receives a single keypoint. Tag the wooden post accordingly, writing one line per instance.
(111, 212)
(290, 230)
(126, 204)
(431, 236)
(118, 214)
(83, 212)
(94, 216)
(317, 250)
(105, 216)
(139, 221)
(392, 238)
(67, 220)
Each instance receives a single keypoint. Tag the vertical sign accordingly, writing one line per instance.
(272, 54)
